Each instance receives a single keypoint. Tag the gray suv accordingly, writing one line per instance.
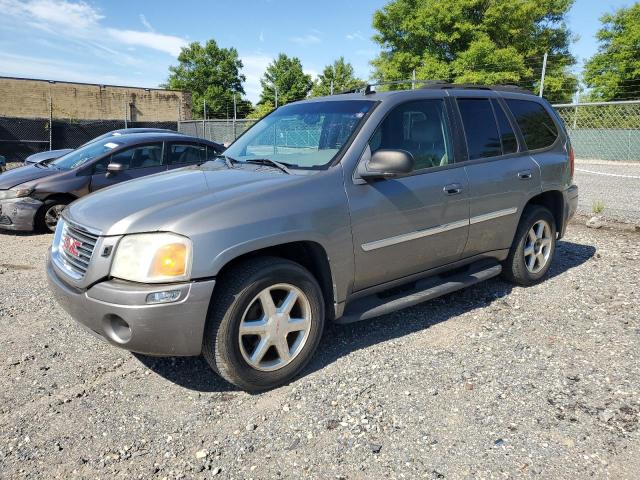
(339, 209)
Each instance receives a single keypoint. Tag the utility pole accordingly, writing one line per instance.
(544, 71)
(331, 87)
(275, 87)
(125, 113)
(413, 82)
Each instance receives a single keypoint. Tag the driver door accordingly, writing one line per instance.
(138, 161)
(412, 223)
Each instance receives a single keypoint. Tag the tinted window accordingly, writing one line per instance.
(536, 125)
(187, 153)
(417, 127)
(480, 128)
(143, 156)
(507, 135)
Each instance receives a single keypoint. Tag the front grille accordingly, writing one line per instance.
(81, 242)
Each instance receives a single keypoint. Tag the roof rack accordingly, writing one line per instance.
(436, 84)
(476, 86)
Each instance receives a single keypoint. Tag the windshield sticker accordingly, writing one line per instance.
(111, 145)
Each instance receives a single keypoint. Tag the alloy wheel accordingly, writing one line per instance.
(275, 327)
(537, 248)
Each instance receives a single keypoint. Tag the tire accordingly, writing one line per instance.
(517, 268)
(44, 217)
(238, 300)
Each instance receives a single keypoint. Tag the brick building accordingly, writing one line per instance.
(27, 98)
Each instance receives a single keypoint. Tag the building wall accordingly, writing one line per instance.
(25, 98)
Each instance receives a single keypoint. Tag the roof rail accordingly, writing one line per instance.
(437, 84)
(368, 88)
(476, 86)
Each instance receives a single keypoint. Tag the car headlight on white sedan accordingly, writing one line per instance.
(15, 193)
(153, 258)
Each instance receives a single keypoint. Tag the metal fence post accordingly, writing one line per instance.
(50, 121)
(544, 71)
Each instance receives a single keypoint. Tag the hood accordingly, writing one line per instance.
(160, 201)
(48, 155)
(17, 176)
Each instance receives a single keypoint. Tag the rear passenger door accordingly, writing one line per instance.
(502, 175)
(183, 154)
(138, 161)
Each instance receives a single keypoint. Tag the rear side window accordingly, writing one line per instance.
(536, 125)
(507, 135)
(184, 154)
(480, 128)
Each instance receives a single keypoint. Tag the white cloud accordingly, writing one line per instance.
(254, 66)
(355, 36)
(79, 21)
(309, 39)
(48, 69)
(61, 12)
(146, 23)
(156, 41)
(261, 36)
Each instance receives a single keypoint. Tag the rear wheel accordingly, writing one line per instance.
(265, 323)
(49, 214)
(533, 247)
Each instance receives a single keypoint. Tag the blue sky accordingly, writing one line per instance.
(133, 42)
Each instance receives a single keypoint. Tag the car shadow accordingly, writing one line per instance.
(340, 340)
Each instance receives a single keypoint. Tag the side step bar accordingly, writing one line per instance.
(423, 290)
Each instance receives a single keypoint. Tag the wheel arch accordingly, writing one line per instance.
(554, 201)
(310, 254)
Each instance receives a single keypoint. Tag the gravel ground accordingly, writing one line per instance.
(493, 381)
(615, 184)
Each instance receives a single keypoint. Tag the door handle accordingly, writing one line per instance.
(452, 189)
(525, 175)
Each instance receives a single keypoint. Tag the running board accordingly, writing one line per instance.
(421, 291)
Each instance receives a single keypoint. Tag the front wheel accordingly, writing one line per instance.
(49, 214)
(265, 323)
(533, 247)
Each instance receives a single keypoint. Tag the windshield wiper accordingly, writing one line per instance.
(229, 161)
(273, 163)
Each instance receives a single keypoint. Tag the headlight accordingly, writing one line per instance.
(153, 258)
(15, 193)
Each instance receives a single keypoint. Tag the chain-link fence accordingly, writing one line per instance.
(21, 137)
(221, 131)
(603, 131)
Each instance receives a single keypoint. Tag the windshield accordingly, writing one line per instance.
(84, 154)
(305, 135)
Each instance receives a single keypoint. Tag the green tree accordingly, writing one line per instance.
(286, 74)
(261, 109)
(479, 41)
(614, 72)
(340, 73)
(212, 73)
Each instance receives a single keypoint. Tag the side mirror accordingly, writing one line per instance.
(114, 168)
(387, 164)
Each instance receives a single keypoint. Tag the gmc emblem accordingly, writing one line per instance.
(71, 245)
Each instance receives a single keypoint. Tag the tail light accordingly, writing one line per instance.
(572, 162)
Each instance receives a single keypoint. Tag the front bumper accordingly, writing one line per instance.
(117, 312)
(19, 213)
